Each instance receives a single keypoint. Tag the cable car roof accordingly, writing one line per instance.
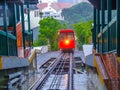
(66, 30)
(21, 1)
(97, 4)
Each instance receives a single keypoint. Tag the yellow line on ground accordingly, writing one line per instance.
(0, 62)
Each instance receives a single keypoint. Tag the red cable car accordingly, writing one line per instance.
(67, 40)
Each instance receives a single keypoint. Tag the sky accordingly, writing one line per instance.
(48, 0)
(54, 0)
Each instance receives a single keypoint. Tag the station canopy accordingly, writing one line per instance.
(97, 4)
(21, 1)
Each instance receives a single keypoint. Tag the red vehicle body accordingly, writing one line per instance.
(67, 40)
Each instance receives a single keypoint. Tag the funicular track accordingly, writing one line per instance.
(60, 67)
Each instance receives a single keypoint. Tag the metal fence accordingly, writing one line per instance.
(108, 38)
(7, 44)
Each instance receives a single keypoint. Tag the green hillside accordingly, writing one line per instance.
(78, 13)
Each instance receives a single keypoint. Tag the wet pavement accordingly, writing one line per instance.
(33, 76)
(63, 83)
(83, 81)
(29, 81)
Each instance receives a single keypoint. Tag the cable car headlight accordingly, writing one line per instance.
(67, 42)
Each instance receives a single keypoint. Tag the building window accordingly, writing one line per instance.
(36, 13)
(47, 13)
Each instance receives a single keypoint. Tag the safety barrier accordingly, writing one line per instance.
(14, 80)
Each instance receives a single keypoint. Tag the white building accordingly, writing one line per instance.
(53, 9)
(34, 20)
(47, 1)
(34, 17)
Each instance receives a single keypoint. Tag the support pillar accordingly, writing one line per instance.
(118, 26)
(29, 23)
(23, 25)
(109, 19)
(94, 29)
(17, 13)
(97, 27)
(5, 26)
(14, 24)
(102, 22)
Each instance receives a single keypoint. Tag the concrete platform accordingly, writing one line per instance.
(13, 62)
(44, 57)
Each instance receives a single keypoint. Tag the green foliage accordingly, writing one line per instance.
(42, 40)
(63, 24)
(83, 32)
(81, 12)
(49, 32)
(41, 14)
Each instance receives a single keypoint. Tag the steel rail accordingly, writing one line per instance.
(57, 73)
(70, 87)
(45, 74)
(61, 72)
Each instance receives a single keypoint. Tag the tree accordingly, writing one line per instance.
(83, 32)
(41, 14)
(80, 12)
(40, 41)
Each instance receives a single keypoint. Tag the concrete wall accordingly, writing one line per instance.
(14, 62)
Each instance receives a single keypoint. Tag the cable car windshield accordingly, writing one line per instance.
(66, 36)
